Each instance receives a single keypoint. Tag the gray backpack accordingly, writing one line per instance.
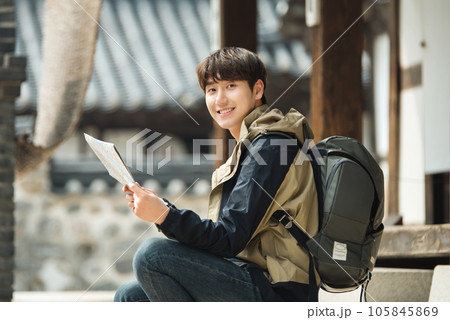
(350, 187)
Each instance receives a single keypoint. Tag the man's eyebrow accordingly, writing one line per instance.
(208, 83)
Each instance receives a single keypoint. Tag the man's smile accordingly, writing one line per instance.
(224, 112)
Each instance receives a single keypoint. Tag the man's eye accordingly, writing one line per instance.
(211, 90)
(231, 85)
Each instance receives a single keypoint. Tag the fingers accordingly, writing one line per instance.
(134, 187)
(125, 188)
(129, 197)
(134, 191)
(137, 188)
(129, 187)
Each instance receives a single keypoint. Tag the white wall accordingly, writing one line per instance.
(436, 80)
(412, 160)
(425, 110)
(381, 93)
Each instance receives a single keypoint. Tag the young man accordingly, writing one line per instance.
(240, 253)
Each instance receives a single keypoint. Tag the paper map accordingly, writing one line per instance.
(111, 159)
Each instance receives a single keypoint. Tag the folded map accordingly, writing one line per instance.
(111, 159)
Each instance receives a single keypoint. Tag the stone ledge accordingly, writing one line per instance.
(63, 296)
(415, 241)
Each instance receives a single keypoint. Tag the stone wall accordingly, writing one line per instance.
(85, 237)
(12, 73)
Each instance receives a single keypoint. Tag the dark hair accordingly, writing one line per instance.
(232, 64)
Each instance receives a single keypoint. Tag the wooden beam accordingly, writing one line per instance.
(394, 109)
(336, 91)
(415, 241)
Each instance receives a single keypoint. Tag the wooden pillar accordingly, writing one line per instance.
(394, 109)
(238, 24)
(336, 90)
(437, 198)
(237, 29)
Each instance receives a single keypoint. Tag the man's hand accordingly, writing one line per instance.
(145, 203)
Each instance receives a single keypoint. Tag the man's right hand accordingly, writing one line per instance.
(146, 204)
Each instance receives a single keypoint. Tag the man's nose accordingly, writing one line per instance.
(221, 98)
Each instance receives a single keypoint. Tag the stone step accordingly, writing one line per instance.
(440, 286)
(389, 285)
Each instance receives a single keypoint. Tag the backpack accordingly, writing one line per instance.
(350, 189)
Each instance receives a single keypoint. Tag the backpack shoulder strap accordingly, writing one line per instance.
(301, 237)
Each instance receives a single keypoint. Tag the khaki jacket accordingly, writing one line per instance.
(271, 246)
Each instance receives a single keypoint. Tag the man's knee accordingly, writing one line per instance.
(150, 254)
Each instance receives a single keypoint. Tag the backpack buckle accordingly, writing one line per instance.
(287, 225)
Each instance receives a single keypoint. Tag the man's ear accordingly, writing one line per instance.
(258, 89)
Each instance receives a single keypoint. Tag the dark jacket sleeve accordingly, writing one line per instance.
(244, 202)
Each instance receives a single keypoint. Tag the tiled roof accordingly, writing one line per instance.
(164, 40)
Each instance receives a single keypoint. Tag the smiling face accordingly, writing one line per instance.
(229, 102)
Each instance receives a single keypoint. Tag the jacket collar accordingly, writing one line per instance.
(250, 118)
(263, 118)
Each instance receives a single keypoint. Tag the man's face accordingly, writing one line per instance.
(229, 102)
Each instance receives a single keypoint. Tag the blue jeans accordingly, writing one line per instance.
(167, 270)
